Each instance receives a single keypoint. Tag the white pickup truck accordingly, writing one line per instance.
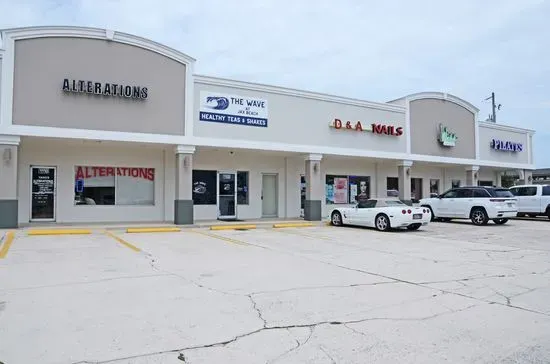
(533, 200)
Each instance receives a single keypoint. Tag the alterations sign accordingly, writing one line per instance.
(233, 109)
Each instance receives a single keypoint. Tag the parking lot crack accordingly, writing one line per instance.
(258, 311)
(327, 354)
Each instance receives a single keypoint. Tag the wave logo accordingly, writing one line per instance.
(217, 102)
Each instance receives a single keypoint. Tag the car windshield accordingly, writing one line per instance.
(394, 202)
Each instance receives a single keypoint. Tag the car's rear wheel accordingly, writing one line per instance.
(382, 222)
(431, 212)
(500, 221)
(414, 226)
(336, 218)
(479, 216)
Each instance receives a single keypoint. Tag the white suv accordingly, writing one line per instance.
(533, 200)
(479, 204)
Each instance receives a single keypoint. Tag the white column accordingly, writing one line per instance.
(498, 178)
(183, 205)
(471, 175)
(528, 176)
(404, 176)
(314, 188)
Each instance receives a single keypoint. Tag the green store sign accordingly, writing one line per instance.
(446, 137)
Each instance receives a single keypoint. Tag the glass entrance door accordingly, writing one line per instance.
(227, 195)
(43, 191)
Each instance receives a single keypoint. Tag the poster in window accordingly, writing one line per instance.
(340, 190)
(204, 187)
(359, 188)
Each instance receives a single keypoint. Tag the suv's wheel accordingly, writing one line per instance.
(382, 222)
(414, 226)
(336, 218)
(479, 216)
(500, 221)
(532, 215)
(520, 214)
(548, 212)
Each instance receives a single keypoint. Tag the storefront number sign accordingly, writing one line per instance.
(506, 146)
(375, 128)
(446, 137)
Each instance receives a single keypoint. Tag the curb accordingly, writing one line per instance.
(153, 230)
(293, 225)
(59, 232)
(232, 227)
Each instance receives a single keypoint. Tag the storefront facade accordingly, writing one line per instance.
(101, 137)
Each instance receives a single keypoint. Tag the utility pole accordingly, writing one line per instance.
(493, 116)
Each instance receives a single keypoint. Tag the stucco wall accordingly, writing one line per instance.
(42, 64)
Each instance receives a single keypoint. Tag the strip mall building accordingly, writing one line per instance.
(102, 126)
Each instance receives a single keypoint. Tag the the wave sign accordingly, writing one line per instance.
(233, 109)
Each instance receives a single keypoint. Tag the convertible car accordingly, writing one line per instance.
(383, 214)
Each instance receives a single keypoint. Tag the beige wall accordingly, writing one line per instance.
(425, 117)
(41, 65)
(304, 121)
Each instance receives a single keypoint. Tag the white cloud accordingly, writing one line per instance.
(373, 50)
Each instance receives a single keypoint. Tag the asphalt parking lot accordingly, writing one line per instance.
(450, 292)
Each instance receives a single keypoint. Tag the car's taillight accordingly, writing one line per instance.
(409, 211)
(403, 212)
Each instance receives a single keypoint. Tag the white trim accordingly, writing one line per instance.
(472, 168)
(476, 137)
(442, 96)
(496, 126)
(189, 121)
(9, 36)
(408, 126)
(87, 134)
(314, 157)
(9, 140)
(248, 86)
(185, 149)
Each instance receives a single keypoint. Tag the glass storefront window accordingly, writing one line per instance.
(455, 183)
(107, 185)
(204, 187)
(242, 188)
(392, 187)
(434, 187)
(346, 189)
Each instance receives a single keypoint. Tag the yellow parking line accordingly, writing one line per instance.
(303, 234)
(7, 244)
(123, 242)
(215, 236)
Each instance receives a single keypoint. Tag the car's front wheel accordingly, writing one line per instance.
(500, 221)
(336, 218)
(382, 222)
(479, 216)
(414, 226)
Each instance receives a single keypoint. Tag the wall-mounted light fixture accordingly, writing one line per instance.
(186, 161)
(315, 167)
(408, 172)
(475, 175)
(530, 179)
(6, 155)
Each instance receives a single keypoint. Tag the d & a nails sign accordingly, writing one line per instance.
(376, 128)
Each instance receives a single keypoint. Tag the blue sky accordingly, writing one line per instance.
(374, 50)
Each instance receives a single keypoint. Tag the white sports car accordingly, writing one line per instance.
(383, 214)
